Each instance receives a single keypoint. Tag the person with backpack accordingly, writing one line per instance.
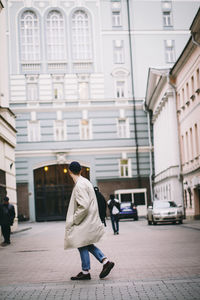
(102, 205)
(114, 207)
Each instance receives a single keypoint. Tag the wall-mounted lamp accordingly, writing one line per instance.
(46, 169)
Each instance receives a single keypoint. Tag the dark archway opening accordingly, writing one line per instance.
(53, 188)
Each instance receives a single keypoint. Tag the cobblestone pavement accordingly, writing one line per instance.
(151, 262)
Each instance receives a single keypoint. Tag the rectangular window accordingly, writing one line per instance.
(83, 89)
(116, 18)
(123, 128)
(59, 130)
(183, 149)
(2, 185)
(178, 101)
(167, 18)
(169, 51)
(187, 147)
(196, 140)
(118, 52)
(197, 81)
(191, 145)
(125, 170)
(85, 130)
(120, 89)
(32, 91)
(183, 96)
(58, 91)
(192, 86)
(33, 131)
(187, 92)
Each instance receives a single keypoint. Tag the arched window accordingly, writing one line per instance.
(81, 36)
(29, 36)
(55, 36)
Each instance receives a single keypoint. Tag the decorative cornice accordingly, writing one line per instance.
(62, 154)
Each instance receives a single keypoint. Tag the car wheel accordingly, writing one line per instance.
(154, 223)
(181, 222)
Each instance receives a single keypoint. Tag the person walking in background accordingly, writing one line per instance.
(102, 205)
(83, 224)
(7, 216)
(114, 207)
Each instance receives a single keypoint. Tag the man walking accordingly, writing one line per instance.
(7, 215)
(83, 224)
(114, 207)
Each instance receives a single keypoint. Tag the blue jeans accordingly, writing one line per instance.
(85, 257)
(115, 222)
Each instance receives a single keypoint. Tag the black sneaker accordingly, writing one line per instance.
(81, 276)
(106, 269)
(4, 244)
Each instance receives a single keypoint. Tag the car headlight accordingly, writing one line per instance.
(156, 214)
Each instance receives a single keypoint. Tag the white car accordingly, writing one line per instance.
(164, 211)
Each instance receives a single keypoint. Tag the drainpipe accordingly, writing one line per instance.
(134, 102)
(179, 175)
(150, 150)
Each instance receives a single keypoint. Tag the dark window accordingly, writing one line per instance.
(126, 198)
(2, 185)
(139, 199)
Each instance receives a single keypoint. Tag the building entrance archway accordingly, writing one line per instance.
(53, 187)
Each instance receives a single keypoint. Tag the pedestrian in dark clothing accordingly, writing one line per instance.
(7, 216)
(101, 205)
(114, 207)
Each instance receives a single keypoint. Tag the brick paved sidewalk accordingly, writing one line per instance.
(184, 289)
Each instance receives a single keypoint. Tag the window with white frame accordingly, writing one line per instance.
(169, 51)
(55, 34)
(81, 36)
(120, 89)
(58, 90)
(167, 18)
(85, 129)
(125, 170)
(118, 52)
(59, 130)
(123, 128)
(116, 18)
(29, 36)
(33, 131)
(83, 89)
(32, 91)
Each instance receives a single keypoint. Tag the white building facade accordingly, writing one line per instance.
(78, 73)
(161, 101)
(7, 120)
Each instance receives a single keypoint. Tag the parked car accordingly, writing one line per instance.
(128, 210)
(164, 211)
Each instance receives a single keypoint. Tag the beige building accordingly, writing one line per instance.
(185, 76)
(7, 120)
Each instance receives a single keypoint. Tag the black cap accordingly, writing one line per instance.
(75, 167)
(6, 199)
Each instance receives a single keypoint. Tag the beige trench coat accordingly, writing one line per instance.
(83, 224)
